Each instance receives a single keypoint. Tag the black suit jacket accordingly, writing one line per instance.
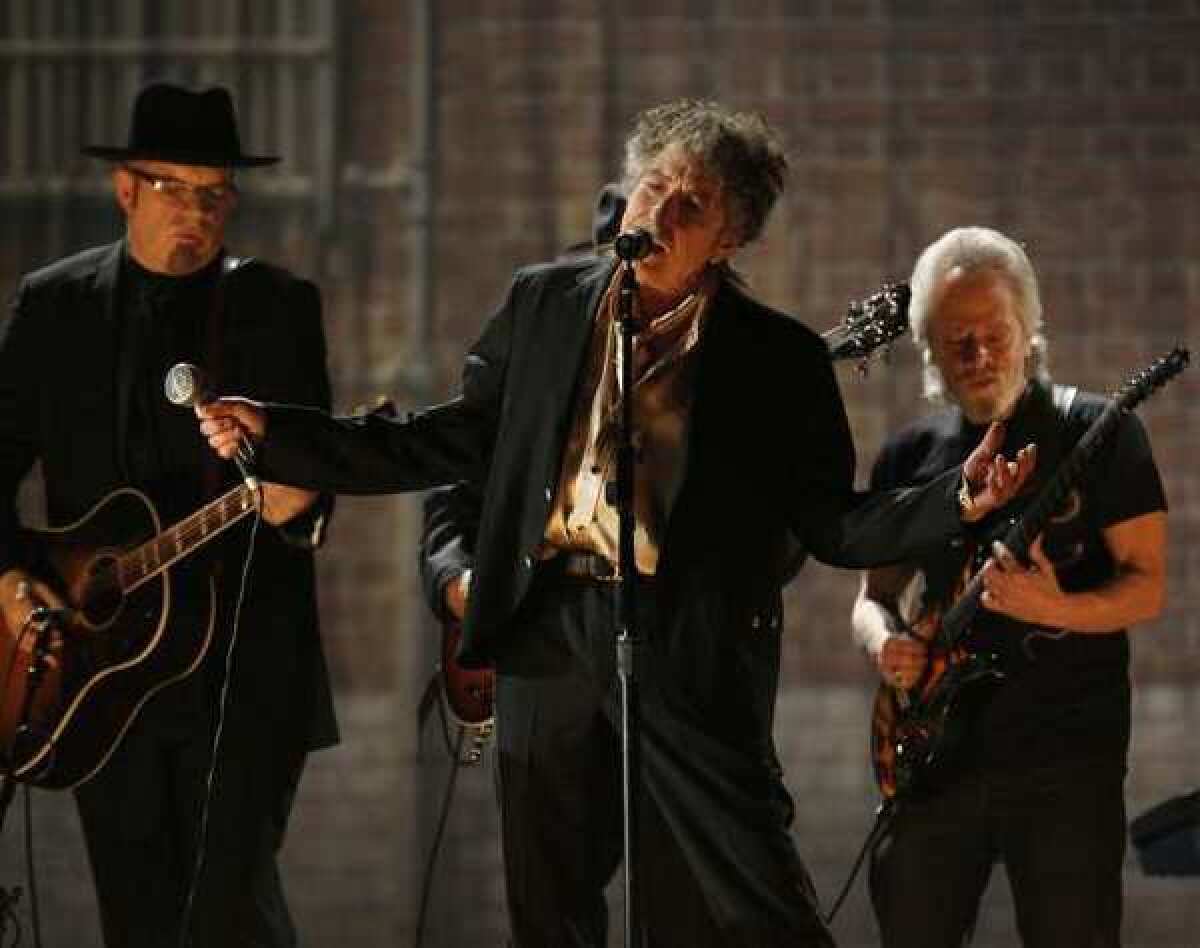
(65, 402)
(770, 465)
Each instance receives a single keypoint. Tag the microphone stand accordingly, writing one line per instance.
(628, 642)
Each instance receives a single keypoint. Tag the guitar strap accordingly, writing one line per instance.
(1064, 399)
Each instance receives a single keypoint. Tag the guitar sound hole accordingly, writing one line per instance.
(101, 597)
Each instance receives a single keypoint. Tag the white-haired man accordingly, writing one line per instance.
(1040, 782)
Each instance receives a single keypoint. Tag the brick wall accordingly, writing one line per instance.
(1071, 124)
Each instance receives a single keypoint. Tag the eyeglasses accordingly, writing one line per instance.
(182, 192)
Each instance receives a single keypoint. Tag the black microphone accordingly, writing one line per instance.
(186, 385)
(633, 244)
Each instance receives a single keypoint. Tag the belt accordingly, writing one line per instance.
(583, 565)
(580, 564)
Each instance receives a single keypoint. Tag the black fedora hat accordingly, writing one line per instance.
(186, 127)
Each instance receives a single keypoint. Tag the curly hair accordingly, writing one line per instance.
(738, 148)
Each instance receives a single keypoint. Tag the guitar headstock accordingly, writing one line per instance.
(870, 324)
(1151, 378)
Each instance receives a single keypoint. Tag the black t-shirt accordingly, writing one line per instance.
(1065, 696)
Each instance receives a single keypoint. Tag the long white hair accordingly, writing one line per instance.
(975, 249)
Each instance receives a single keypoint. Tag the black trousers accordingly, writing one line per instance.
(140, 816)
(718, 865)
(1060, 832)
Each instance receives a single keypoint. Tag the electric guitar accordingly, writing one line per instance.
(916, 733)
(120, 575)
(868, 327)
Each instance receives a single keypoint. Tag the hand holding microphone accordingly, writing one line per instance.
(230, 424)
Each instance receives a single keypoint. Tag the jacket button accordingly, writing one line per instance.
(756, 622)
(527, 562)
(549, 495)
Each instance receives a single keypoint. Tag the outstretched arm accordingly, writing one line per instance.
(371, 454)
(849, 528)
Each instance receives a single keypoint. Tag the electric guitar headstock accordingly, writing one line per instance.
(870, 325)
(1154, 376)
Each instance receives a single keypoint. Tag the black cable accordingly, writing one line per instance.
(431, 863)
(8, 901)
(884, 815)
(31, 873)
(8, 915)
(453, 750)
(202, 829)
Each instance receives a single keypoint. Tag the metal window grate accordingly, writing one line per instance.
(69, 72)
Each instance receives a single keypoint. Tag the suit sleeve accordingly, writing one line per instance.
(374, 455)
(447, 548)
(857, 529)
(304, 379)
(20, 357)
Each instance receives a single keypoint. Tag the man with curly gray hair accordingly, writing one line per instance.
(1039, 783)
(743, 456)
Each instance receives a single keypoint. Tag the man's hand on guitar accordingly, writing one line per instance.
(20, 595)
(1028, 593)
(901, 660)
(454, 595)
(991, 479)
(227, 421)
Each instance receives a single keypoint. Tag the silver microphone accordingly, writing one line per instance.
(187, 385)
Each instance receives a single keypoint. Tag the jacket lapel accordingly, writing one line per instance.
(104, 301)
(569, 334)
(718, 423)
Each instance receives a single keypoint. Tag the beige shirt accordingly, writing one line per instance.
(582, 518)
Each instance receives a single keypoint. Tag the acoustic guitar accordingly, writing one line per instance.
(120, 638)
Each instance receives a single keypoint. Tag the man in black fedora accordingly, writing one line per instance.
(184, 814)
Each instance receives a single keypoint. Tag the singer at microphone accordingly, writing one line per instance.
(741, 449)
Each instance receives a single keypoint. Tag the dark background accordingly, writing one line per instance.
(432, 147)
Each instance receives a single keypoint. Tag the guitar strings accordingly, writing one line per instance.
(187, 533)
